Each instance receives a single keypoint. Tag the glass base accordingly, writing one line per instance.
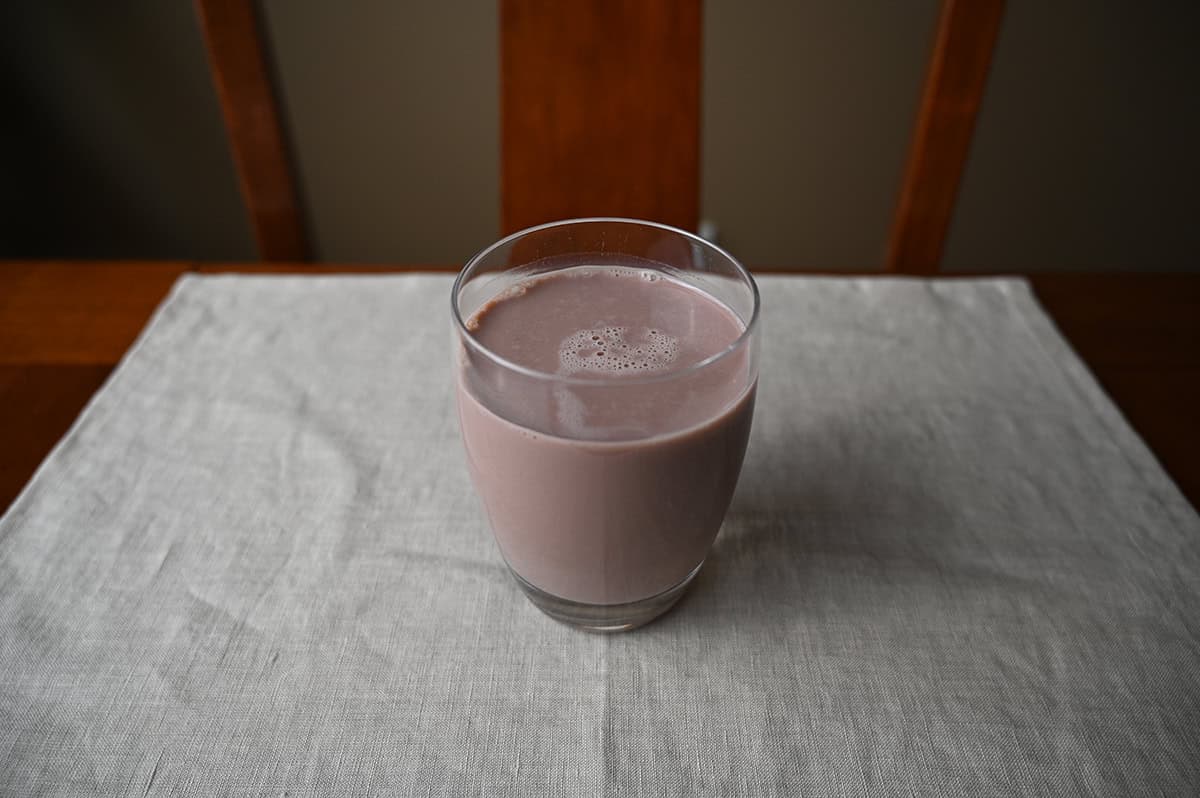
(605, 618)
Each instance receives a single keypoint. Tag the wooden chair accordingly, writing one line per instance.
(954, 85)
(599, 111)
(260, 154)
(600, 115)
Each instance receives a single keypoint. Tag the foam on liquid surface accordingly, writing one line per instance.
(616, 350)
(604, 321)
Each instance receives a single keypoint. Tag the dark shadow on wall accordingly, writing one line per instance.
(113, 145)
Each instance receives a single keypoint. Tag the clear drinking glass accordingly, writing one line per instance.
(606, 486)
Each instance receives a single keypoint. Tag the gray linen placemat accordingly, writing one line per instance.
(256, 567)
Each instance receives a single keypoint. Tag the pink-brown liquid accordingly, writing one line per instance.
(608, 483)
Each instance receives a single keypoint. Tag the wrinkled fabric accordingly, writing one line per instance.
(256, 566)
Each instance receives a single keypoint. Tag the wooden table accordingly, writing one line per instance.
(64, 326)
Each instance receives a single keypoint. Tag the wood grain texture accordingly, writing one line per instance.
(600, 110)
(237, 58)
(954, 86)
(70, 312)
(323, 268)
(39, 404)
(1161, 403)
(1122, 321)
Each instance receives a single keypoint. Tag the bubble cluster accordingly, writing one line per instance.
(612, 350)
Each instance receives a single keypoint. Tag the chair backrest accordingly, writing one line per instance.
(954, 85)
(260, 154)
(599, 111)
(600, 115)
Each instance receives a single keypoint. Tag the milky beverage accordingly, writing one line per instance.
(608, 483)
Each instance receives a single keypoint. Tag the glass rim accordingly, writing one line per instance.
(499, 360)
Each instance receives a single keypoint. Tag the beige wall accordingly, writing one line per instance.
(1085, 154)
(808, 108)
(393, 112)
